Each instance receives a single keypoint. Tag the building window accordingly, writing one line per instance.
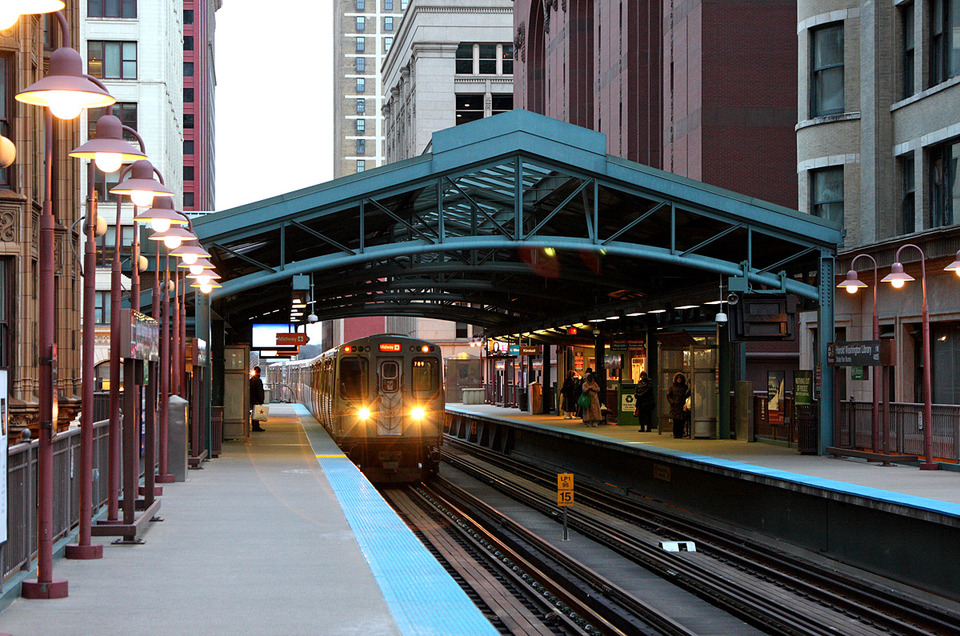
(188, 120)
(101, 311)
(188, 16)
(126, 112)
(361, 64)
(945, 345)
(387, 43)
(465, 59)
(188, 43)
(469, 108)
(188, 199)
(6, 112)
(502, 103)
(361, 105)
(188, 69)
(507, 60)
(188, 96)
(908, 194)
(112, 8)
(826, 73)
(188, 146)
(8, 300)
(403, 5)
(826, 195)
(462, 329)
(112, 60)
(188, 173)
(388, 5)
(361, 165)
(361, 5)
(944, 40)
(909, 48)
(361, 146)
(361, 85)
(388, 23)
(361, 126)
(361, 45)
(944, 186)
(103, 184)
(487, 62)
(361, 24)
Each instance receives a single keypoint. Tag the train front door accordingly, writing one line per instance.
(390, 396)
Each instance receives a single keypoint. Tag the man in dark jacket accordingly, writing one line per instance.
(645, 401)
(256, 395)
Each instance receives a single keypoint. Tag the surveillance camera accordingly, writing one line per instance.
(721, 318)
(312, 318)
(733, 298)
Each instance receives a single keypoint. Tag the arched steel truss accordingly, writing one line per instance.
(514, 223)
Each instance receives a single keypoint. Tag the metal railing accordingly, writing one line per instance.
(854, 429)
(21, 547)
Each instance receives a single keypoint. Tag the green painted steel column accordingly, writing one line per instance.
(826, 331)
(725, 381)
(201, 328)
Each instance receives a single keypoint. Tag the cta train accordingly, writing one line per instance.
(381, 400)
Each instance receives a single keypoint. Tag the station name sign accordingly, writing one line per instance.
(861, 353)
(289, 339)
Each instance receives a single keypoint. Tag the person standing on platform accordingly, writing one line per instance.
(677, 397)
(256, 395)
(569, 393)
(591, 413)
(645, 402)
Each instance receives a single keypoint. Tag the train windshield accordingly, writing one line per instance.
(353, 378)
(426, 376)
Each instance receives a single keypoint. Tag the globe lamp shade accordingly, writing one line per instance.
(161, 216)
(11, 10)
(201, 265)
(190, 254)
(954, 266)
(65, 90)
(140, 186)
(108, 148)
(852, 283)
(897, 277)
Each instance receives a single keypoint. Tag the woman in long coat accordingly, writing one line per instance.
(677, 397)
(591, 415)
(570, 392)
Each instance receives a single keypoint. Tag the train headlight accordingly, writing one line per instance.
(418, 413)
(364, 413)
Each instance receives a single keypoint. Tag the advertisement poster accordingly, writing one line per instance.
(775, 387)
(4, 432)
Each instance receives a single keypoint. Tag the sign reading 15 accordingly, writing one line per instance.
(565, 489)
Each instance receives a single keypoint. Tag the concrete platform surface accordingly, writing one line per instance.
(941, 485)
(255, 543)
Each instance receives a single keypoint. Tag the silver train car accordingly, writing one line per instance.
(381, 400)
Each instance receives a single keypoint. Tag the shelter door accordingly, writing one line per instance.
(390, 396)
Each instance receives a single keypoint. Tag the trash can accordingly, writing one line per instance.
(626, 403)
(805, 415)
(522, 400)
(535, 401)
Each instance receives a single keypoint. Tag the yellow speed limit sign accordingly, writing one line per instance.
(565, 489)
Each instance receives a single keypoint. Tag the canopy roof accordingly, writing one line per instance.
(516, 223)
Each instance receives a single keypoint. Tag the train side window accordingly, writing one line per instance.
(426, 376)
(353, 378)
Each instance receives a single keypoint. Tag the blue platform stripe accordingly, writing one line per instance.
(423, 598)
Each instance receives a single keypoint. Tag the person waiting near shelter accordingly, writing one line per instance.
(645, 401)
(592, 415)
(256, 395)
(677, 397)
(569, 393)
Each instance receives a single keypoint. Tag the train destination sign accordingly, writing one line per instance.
(291, 339)
(860, 353)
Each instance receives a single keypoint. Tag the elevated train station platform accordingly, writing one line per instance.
(279, 535)
(894, 521)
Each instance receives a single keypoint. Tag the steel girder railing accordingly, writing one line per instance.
(905, 433)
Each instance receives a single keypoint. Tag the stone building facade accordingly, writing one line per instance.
(878, 146)
(24, 54)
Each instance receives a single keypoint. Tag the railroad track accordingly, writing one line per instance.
(524, 585)
(773, 591)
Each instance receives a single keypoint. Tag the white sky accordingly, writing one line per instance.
(274, 119)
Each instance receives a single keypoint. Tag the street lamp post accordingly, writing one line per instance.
(897, 277)
(852, 284)
(106, 151)
(65, 79)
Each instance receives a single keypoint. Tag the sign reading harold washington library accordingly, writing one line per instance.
(862, 353)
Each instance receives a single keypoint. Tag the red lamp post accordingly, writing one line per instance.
(853, 284)
(65, 79)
